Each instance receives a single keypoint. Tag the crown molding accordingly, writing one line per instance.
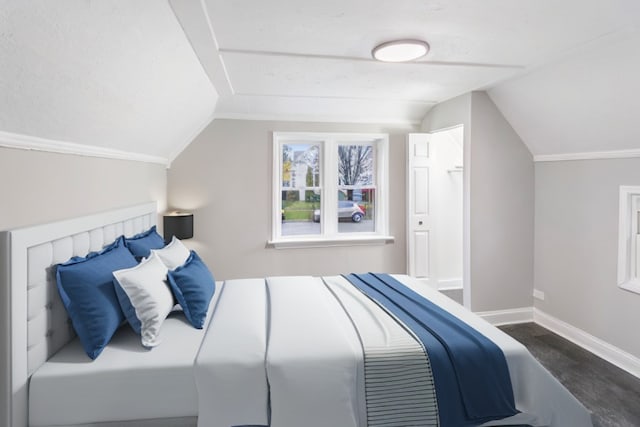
(27, 142)
(592, 155)
(315, 119)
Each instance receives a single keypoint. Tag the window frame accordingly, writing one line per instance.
(629, 239)
(329, 234)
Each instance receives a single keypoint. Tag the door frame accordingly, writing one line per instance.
(466, 209)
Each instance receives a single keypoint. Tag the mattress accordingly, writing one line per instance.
(126, 382)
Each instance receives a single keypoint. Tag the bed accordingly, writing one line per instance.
(212, 377)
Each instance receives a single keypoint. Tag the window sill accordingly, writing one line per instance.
(631, 286)
(315, 242)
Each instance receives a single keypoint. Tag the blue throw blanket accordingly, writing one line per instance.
(470, 372)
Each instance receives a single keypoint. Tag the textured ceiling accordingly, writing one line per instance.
(287, 59)
(585, 102)
(116, 75)
(129, 76)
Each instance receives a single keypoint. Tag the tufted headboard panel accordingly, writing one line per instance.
(37, 325)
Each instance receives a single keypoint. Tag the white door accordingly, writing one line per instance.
(419, 255)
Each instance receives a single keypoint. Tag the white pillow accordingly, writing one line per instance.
(174, 254)
(145, 297)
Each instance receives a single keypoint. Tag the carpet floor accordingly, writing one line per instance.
(611, 394)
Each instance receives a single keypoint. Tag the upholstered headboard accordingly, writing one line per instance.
(34, 321)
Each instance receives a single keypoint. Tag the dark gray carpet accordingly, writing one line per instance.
(611, 394)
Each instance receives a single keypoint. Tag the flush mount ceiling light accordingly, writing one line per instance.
(400, 50)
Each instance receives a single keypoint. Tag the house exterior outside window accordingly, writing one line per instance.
(329, 189)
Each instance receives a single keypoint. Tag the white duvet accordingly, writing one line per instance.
(283, 352)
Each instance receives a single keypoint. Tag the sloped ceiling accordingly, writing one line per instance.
(116, 75)
(585, 102)
(312, 61)
(146, 76)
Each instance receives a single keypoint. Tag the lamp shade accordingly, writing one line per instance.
(179, 224)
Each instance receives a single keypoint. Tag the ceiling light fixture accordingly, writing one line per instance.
(400, 50)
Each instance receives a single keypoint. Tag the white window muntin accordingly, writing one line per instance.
(279, 142)
(329, 185)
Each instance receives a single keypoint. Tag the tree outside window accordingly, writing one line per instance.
(329, 184)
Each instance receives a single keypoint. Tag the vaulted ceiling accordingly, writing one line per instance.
(147, 76)
(117, 76)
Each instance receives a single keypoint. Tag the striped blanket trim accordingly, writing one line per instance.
(398, 381)
(399, 386)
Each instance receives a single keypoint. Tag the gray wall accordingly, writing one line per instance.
(499, 203)
(502, 211)
(450, 113)
(224, 177)
(38, 187)
(576, 247)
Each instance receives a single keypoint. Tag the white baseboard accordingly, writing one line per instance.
(507, 317)
(608, 352)
(600, 348)
(453, 283)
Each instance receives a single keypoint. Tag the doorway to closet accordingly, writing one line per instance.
(435, 223)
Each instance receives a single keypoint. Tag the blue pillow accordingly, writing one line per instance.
(193, 286)
(141, 244)
(87, 292)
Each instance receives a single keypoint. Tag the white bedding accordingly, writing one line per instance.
(306, 381)
(229, 369)
(314, 357)
(256, 365)
(127, 381)
(540, 397)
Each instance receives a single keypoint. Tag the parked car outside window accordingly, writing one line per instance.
(346, 209)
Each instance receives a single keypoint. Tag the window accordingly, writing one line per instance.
(629, 239)
(329, 189)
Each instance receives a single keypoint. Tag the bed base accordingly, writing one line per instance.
(34, 322)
